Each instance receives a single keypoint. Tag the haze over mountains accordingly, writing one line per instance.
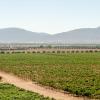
(17, 35)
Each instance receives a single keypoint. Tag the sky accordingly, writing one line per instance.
(49, 16)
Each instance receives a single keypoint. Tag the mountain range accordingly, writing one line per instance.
(82, 35)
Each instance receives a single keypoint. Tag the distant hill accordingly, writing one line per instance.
(83, 35)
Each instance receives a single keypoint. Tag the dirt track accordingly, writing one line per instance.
(28, 85)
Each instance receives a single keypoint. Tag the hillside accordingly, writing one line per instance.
(83, 35)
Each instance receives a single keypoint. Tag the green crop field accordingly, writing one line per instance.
(10, 92)
(77, 73)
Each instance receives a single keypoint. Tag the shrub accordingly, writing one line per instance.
(38, 51)
(53, 51)
(33, 52)
(77, 51)
(44, 51)
(58, 51)
(0, 78)
(2, 52)
(72, 51)
(63, 51)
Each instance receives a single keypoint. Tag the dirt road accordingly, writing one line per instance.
(28, 85)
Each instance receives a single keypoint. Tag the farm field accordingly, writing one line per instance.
(10, 92)
(77, 73)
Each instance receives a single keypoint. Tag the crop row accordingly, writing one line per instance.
(77, 73)
(10, 92)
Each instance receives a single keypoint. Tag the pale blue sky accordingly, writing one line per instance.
(51, 16)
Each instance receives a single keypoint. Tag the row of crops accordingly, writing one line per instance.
(10, 92)
(77, 73)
